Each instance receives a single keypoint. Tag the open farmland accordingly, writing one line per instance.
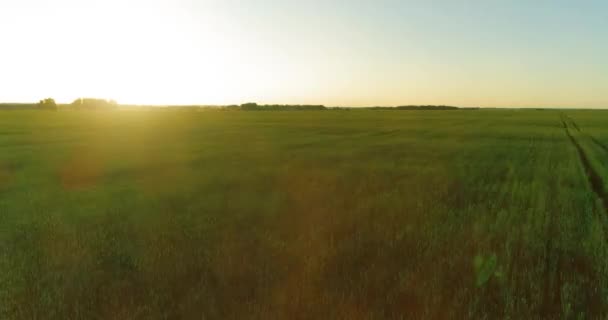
(303, 215)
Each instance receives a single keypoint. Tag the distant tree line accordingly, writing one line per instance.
(18, 106)
(102, 104)
(93, 104)
(415, 107)
(50, 104)
(279, 107)
(427, 108)
(47, 104)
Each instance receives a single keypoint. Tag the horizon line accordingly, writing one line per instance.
(4, 103)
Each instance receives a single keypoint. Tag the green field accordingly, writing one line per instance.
(303, 215)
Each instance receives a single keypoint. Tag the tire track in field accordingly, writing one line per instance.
(595, 180)
(573, 123)
(555, 264)
(598, 143)
(597, 186)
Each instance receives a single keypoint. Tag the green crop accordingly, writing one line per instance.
(360, 214)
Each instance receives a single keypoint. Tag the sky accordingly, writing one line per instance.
(515, 53)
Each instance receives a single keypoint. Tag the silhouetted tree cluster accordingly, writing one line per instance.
(47, 104)
(411, 107)
(250, 106)
(232, 107)
(193, 108)
(94, 104)
(279, 107)
(427, 108)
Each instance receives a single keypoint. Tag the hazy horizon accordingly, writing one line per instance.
(67, 103)
(356, 53)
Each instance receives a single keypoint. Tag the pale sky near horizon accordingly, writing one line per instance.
(354, 53)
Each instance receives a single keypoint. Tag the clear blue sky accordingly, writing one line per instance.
(383, 52)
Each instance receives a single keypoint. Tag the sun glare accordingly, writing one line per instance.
(221, 52)
(155, 54)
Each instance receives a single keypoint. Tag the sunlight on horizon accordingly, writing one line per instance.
(211, 52)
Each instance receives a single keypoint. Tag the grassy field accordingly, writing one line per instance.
(303, 215)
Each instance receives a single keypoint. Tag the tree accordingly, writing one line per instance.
(249, 106)
(94, 104)
(47, 104)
